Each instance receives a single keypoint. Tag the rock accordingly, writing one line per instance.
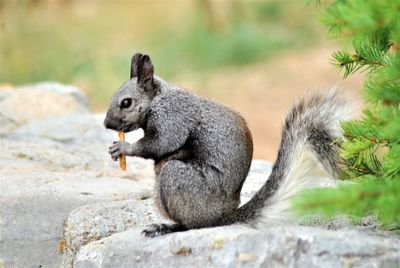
(35, 201)
(71, 129)
(39, 101)
(237, 246)
(43, 178)
(71, 142)
(92, 222)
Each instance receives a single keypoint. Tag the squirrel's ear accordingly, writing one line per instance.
(145, 73)
(135, 64)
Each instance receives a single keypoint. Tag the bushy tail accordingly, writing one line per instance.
(309, 145)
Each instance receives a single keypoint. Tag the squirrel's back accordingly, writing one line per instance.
(219, 136)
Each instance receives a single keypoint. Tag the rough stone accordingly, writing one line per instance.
(44, 178)
(70, 142)
(36, 199)
(39, 101)
(237, 246)
(93, 222)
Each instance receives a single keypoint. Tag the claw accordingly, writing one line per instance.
(162, 229)
(155, 230)
(113, 149)
(116, 154)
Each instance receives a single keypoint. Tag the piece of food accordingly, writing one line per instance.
(122, 159)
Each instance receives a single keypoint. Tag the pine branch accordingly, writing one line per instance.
(366, 196)
(371, 151)
(367, 57)
(346, 61)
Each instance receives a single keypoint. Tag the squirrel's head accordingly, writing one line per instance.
(131, 101)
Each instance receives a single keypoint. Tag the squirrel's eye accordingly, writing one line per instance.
(126, 103)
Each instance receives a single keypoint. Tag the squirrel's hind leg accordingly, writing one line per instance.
(162, 229)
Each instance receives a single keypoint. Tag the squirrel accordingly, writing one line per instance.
(203, 150)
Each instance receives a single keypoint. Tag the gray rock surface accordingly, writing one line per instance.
(52, 163)
(236, 246)
(43, 181)
(39, 101)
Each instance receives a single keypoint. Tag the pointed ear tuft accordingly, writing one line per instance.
(136, 59)
(145, 72)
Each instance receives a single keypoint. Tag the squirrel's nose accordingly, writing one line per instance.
(110, 123)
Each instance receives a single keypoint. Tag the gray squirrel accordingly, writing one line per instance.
(203, 150)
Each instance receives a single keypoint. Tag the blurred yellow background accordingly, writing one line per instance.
(255, 56)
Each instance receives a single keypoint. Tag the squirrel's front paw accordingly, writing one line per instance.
(119, 148)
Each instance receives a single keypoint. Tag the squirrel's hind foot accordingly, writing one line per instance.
(162, 229)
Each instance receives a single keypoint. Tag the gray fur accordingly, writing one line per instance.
(203, 150)
(312, 125)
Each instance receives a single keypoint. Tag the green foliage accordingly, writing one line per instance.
(202, 48)
(252, 33)
(371, 151)
(357, 199)
(370, 53)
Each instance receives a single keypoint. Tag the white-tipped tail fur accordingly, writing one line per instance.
(309, 151)
(305, 174)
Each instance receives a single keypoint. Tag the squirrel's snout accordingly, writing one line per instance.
(111, 123)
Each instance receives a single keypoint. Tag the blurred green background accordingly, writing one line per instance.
(252, 55)
(89, 43)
